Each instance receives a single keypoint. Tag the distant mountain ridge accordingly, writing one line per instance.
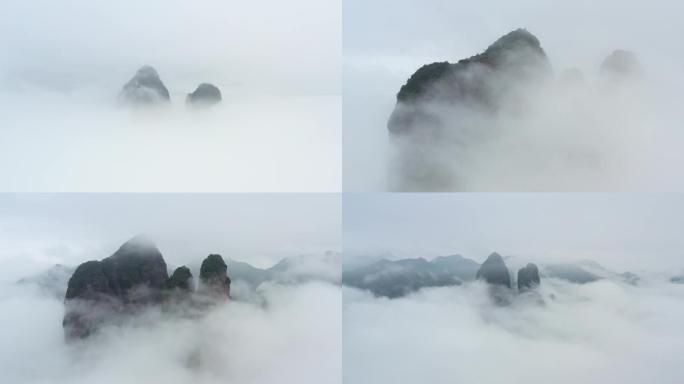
(53, 281)
(398, 278)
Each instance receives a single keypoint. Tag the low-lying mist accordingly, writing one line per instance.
(574, 133)
(291, 336)
(592, 333)
(568, 132)
(60, 142)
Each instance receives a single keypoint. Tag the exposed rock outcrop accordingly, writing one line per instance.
(528, 277)
(213, 277)
(145, 88)
(517, 53)
(494, 271)
(440, 102)
(132, 277)
(180, 280)
(205, 95)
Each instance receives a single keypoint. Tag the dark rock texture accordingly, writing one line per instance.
(516, 53)
(213, 276)
(528, 277)
(145, 88)
(206, 94)
(181, 280)
(438, 106)
(494, 271)
(133, 276)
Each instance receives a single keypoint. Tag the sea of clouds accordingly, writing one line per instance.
(594, 333)
(293, 335)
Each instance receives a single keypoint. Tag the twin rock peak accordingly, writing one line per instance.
(147, 89)
(494, 272)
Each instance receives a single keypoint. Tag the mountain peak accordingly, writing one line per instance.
(494, 271)
(517, 38)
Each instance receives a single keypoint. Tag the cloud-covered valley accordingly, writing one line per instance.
(292, 336)
(599, 332)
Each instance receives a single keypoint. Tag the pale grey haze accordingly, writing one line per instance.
(621, 231)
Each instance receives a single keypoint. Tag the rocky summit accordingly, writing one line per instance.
(205, 95)
(133, 278)
(476, 81)
(494, 271)
(213, 277)
(528, 277)
(443, 105)
(180, 280)
(145, 88)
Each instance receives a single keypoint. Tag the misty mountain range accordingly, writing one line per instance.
(296, 269)
(136, 278)
(397, 278)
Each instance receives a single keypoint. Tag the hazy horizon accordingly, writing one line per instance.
(38, 231)
(619, 231)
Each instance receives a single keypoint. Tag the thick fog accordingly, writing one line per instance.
(576, 132)
(64, 64)
(593, 333)
(294, 337)
(619, 231)
(618, 328)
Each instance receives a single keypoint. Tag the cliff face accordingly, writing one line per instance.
(517, 54)
(205, 95)
(133, 278)
(213, 277)
(441, 106)
(180, 280)
(494, 271)
(528, 277)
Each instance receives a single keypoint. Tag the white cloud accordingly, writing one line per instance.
(294, 337)
(593, 333)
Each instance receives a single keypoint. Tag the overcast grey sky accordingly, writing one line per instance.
(37, 231)
(386, 41)
(622, 231)
(252, 46)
